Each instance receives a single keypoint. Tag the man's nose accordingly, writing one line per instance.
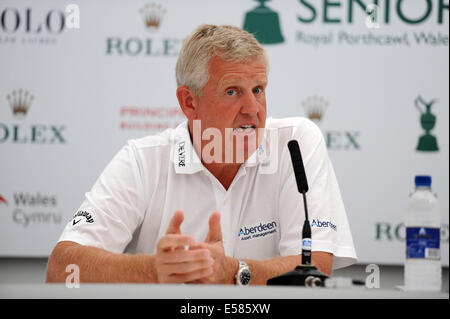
(249, 104)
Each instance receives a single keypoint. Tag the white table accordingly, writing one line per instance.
(159, 291)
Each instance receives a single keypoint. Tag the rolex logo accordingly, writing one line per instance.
(20, 102)
(152, 15)
(315, 107)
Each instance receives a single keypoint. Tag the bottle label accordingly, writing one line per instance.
(423, 242)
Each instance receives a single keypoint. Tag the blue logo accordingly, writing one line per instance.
(260, 230)
(320, 224)
(423, 243)
(306, 244)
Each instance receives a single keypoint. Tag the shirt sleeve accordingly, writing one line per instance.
(330, 230)
(113, 208)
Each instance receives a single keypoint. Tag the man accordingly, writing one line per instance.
(213, 200)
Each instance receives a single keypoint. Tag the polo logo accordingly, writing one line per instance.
(261, 230)
(79, 216)
(181, 154)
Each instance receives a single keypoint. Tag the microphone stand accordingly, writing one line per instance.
(305, 274)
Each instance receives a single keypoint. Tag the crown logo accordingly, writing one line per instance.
(315, 107)
(20, 102)
(152, 15)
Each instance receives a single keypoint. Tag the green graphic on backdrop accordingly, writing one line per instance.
(427, 142)
(264, 24)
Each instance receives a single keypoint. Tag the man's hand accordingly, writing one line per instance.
(214, 243)
(175, 262)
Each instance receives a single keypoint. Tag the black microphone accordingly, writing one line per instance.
(299, 168)
(302, 186)
(304, 274)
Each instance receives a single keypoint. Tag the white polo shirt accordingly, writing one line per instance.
(131, 204)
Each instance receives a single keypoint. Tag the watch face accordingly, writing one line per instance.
(244, 277)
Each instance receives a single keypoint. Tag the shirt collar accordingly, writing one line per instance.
(185, 158)
(187, 161)
(260, 155)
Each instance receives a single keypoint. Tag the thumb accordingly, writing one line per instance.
(175, 223)
(215, 231)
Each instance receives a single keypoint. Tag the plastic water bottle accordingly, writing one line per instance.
(423, 269)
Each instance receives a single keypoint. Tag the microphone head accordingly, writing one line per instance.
(299, 169)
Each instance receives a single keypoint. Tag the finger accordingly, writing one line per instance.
(179, 256)
(171, 242)
(187, 267)
(189, 277)
(199, 245)
(215, 231)
(175, 223)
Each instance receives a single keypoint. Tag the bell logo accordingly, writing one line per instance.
(264, 24)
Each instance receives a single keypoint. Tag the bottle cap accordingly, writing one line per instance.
(423, 180)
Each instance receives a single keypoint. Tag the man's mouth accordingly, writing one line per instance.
(245, 129)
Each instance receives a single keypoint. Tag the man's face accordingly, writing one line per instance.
(234, 101)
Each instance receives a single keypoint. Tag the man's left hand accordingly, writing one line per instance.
(223, 265)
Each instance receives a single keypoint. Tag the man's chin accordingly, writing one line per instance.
(244, 149)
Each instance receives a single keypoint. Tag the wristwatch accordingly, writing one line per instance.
(243, 275)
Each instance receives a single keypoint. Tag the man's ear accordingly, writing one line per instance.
(188, 102)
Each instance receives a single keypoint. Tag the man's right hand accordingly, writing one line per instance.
(175, 263)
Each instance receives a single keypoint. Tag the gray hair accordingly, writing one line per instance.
(228, 42)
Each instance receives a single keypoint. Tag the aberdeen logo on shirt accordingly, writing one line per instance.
(320, 224)
(79, 217)
(256, 231)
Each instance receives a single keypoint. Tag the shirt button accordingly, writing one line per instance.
(225, 201)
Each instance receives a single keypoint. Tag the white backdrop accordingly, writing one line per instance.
(112, 79)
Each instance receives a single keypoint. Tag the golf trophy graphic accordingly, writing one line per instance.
(427, 142)
(264, 24)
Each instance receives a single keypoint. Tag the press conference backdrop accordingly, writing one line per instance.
(80, 78)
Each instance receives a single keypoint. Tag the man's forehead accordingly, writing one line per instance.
(220, 66)
(259, 78)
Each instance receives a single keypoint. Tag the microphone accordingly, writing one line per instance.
(297, 164)
(302, 186)
(305, 274)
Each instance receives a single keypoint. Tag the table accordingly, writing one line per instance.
(160, 291)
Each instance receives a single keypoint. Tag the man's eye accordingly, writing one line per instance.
(231, 92)
(257, 90)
